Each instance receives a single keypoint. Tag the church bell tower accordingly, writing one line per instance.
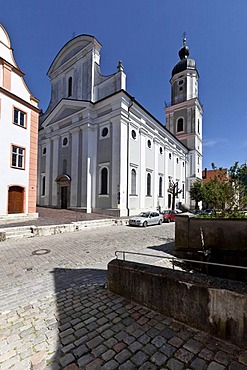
(184, 112)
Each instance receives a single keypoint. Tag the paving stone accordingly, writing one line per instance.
(64, 327)
(99, 350)
(168, 350)
(222, 357)
(149, 349)
(110, 365)
(68, 348)
(176, 341)
(67, 359)
(158, 341)
(135, 346)
(193, 346)
(123, 356)
(94, 365)
(184, 355)
(236, 366)
(80, 351)
(119, 346)
(108, 355)
(139, 358)
(70, 367)
(206, 354)
(198, 364)
(110, 342)
(95, 342)
(128, 365)
(159, 358)
(84, 360)
(68, 339)
(148, 366)
(175, 364)
(215, 366)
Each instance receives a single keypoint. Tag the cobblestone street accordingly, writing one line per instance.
(56, 312)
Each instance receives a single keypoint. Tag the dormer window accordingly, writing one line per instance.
(70, 84)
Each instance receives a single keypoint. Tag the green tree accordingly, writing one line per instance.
(196, 192)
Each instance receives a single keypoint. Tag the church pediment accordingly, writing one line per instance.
(63, 111)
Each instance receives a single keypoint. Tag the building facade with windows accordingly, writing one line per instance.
(100, 150)
(19, 116)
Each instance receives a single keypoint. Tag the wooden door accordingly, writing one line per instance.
(64, 197)
(16, 199)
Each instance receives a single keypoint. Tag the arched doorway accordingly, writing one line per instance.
(15, 199)
(63, 183)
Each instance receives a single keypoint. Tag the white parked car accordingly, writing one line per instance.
(146, 218)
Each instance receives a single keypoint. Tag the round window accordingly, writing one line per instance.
(149, 143)
(104, 132)
(65, 141)
(133, 134)
(180, 82)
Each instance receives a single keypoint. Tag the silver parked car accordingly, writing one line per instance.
(146, 218)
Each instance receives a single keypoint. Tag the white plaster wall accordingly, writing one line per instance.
(19, 136)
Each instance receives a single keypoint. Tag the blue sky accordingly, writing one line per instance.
(146, 35)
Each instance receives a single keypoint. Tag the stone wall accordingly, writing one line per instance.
(213, 305)
(225, 238)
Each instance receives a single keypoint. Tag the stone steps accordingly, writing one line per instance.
(31, 231)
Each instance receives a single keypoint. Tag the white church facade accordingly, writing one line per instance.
(102, 151)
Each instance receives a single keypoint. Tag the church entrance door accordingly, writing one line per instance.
(64, 195)
(63, 187)
(15, 199)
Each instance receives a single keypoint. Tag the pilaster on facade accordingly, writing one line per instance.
(55, 159)
(48, 161)
(75, 141)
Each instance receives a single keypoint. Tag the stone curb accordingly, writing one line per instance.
(31, 231)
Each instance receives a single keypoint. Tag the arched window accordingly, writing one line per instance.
(43, 186)
(133, 181)
(180, 125)
(148, 184)
(160, 186)
(104, 181)
(70, 83)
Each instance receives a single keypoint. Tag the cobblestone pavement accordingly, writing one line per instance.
(56, 312)
(50, 216)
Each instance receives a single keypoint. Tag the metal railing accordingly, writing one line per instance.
(175, 259)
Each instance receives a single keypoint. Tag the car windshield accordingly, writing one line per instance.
(143, 214)
(166, 212)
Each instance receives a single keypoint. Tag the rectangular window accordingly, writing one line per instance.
(18, 157)
(19, 117)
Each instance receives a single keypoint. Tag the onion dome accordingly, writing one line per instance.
(185, 62)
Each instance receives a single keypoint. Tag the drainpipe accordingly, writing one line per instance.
(127, 191)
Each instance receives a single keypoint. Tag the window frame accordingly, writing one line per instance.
(180, 121)
(70, 86)
(133, 176)
(101, 184)
(18, 156)
(160, 186)
(19, 113)
(149, 184)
